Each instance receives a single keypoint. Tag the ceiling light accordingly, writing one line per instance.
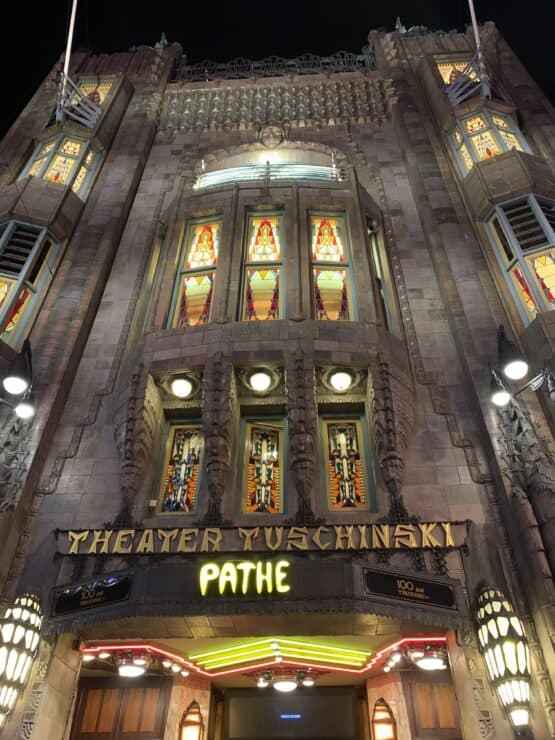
(19, 374)
(511, 362)
(167, 663)
(25, 409)
(341, 381)
(260, 381)
(141, 660)
(184, 673)
(176, 668)
(395, 657)
(284, 685)
(432, 660)
(88, 657)
(127, 667)
(262, 682)
(181, 387)
(308, 681)
(104, 655)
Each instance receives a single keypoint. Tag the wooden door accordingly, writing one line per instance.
(432, 706)
(113, 709)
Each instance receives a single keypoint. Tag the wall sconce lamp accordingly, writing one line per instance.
(18, 381)
(384, 726)
(192, 726)
(19, 642)
(504, 646)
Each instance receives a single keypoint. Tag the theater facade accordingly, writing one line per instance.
(265, 492)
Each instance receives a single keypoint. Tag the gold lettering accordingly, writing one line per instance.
(316, 538)
(404, 535)
(100, 537)
(211, 539)
(185, 537)
(246, 567)
(380, 536)
(248, 535)
(363, 544)
(340, 536)
(449, 541)
(76, 539)
(228, 576)
(281, 575)
(209, 572)
(276, 544)
(264, 577)
(167, 535)
(428, 539)
(296, 539)
(146, 543)
(121, 545)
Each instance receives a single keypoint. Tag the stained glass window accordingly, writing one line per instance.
(28, 258)
(330, 269)
(262, 269)
(263, 463)
(523, 235)
(451, 70)
(483, 136)
(347, 486)
(65, 160)
(96, 91)
(182, 468)
(195, 280)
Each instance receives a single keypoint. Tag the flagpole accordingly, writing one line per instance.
(68, 48)
(486, 89)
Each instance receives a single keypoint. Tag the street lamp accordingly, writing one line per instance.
(18, 381)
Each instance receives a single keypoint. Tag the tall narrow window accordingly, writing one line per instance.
(379, 272)
(330, 269)
(262, 487)
(28, 259)
(523, 234)
(181, 468)
(195, 281)
(346, 473)
(262, 269)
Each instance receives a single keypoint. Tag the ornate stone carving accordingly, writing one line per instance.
(356, 100)
(219, 402)
(302, 421)
(14, 457)
(136, 420)
(272, 135)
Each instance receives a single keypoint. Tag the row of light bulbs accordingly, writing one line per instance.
(133, 665)
(285, 681)
(429, 658)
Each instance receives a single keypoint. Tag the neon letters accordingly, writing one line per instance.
(244, 577)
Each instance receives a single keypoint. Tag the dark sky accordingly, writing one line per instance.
(35, 36)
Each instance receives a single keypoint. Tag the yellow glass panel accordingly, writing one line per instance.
(475, 124)
(195, 299)
(485, 145)
(331, 294)
(264, 239)
(47, 148)
(35, 167)
(346, 484)
(449, 71)
(524, 291)
(327, 245)
(89, 159)
(262, 294)
(60, 169)
(182, 465)
(543, 266)
(511, 141)
(263, 460)
(203, 245)
(71, 147)
(457, 136)
(79, 180)
(17, 310)
(500, 121)
(95, 91)
(5, 289)
(466, 158)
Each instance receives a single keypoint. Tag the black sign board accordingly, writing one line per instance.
(407, 588)
(100, 592)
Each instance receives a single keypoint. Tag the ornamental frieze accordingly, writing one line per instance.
(355, 100)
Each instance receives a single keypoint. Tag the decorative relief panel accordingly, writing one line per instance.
(319, 103)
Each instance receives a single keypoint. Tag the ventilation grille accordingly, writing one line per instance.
(17, 248)
(548, 208)
(525, 225)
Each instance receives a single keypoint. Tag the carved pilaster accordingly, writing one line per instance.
(219, 402)
(302, 424)
(137, 417)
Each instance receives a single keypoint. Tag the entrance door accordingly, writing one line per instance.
(305, 714)
(112, 709)
(432, 706)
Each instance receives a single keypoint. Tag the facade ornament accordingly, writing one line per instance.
(14, 457)
(302, 424)
(219, 408)
(272, 135)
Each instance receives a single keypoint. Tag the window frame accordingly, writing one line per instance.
(347, 265)
(520, 256)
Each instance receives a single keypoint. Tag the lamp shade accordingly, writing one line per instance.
(504, 646)
(19, 641)
(192, 725)
(384, 726)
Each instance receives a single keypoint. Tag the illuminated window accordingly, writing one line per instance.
(28, 259)
(484, 135)
(330, 269)
(195, 281)
(66, 160)
(181, 468)
(262, 480)
(347, 482)
(262, 273)
(95, 90)
(452, 69)
(379, 263)
(523, 234)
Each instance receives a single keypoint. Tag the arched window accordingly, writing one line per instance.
(522, 232)
(192, 726)
(384, 726)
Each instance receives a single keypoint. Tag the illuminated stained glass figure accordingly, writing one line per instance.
(181, 483)
(17, 310)
(262, 270)
(345, 477)
(544, 268)
(330, 275)
(64, 160)
(263, 477)
(197, 275)
(452, 70)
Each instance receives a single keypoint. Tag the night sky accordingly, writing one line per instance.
(34, 38)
